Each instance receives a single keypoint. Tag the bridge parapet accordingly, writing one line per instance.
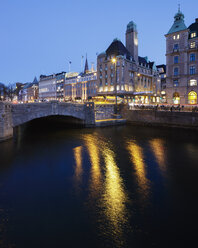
(12, 115)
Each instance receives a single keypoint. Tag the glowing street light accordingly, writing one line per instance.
(114, 61)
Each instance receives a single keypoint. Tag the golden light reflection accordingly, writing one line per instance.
(93, 151)
(158, 148)
(78, 161)
(137, 158)
(115, 197)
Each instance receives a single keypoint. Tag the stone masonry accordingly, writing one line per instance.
(12, 115)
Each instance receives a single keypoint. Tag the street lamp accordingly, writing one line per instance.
(114, 61)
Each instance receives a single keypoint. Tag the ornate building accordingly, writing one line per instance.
(121, 72)
(80, 86)
(182, 62)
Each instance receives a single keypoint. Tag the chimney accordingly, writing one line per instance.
(196, 20)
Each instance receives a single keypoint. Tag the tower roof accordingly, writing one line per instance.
(117, 48)
(178, 24)
(194, 27)
(86, 66)
(131, 26)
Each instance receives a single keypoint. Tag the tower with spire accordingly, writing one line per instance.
(86, 69)
(181, 61)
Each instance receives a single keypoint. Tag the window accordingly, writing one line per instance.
(175, 83)
(193, 35)
(192, 44)
(192, 57)
(192, 70)
(193, 82)
(176, 47)
(176, 71)
(176, 37)
(192, 97)
(176, 98)
(176, 59)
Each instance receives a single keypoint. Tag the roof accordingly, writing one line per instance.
(117, 48)
(194, 27)
(178, 24)
(162, 66)
(144, 61)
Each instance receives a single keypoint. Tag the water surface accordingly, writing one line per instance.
(111, 187)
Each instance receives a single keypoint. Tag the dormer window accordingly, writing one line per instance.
(192, 44)
(193, 35)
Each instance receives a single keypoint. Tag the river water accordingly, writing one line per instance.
(108, 187)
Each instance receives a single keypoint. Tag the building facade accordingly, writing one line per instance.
(60, 82)
(121, 72)
(162, 73)
(182, 62)
(29, 92)
(81, 86)
(47, 87)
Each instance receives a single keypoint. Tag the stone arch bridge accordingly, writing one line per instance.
(12, 115)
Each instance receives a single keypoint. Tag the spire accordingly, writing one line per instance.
(86, 70)
(178, 24)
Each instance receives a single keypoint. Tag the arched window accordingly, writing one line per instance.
(192, 97)
(176, 98)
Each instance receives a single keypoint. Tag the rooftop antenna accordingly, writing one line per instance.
(82, 57)
(69, 64)
(179, 7)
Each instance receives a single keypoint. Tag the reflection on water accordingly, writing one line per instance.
(92, 145)
(137, 158)
(158, 148)
(78, 161)
(122, 200)
(114, 197)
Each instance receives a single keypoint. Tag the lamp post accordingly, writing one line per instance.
(114, 61)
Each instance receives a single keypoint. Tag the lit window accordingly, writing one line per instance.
(192, 44)
(193, 82)
(176, 59)
(192, 70)
(175, 83)
(193, 35)
(192, 57)
(174, 37)
(178, 36)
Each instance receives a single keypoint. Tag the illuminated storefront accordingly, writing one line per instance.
(192, 97)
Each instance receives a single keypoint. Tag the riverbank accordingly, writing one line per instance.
(162, 118)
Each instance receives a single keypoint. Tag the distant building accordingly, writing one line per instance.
(60, 81)
(182, 61)
(81, 86)
(137, 78)
(162, 73)
(47, 87)
(29, 91)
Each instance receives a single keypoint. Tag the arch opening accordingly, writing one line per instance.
(192, 97)
(176, 98)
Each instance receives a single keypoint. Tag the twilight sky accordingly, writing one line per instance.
(41, 36)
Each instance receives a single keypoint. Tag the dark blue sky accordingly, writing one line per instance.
(40, 36)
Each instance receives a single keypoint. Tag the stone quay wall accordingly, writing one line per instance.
(162, 118)
(6, 124)
(104, 111)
